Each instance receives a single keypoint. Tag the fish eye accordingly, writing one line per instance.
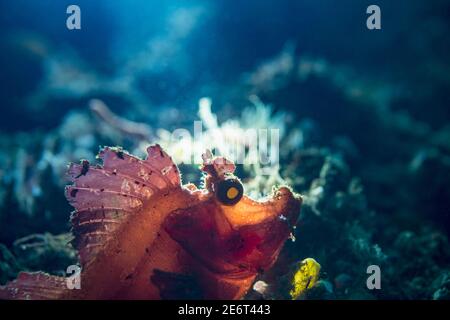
(229, 191)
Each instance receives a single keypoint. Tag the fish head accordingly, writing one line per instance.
(230, 233)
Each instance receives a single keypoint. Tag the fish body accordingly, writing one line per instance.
(141, 234)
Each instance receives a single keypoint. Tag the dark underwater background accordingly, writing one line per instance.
(363, 115)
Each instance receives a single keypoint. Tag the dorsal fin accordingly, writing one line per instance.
(105, 196)
(34, 286)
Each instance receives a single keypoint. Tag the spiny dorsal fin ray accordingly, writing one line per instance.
(105, 196)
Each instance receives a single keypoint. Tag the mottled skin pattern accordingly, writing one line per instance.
(140, 234)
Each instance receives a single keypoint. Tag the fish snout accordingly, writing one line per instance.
(283, 193)
(288, 204)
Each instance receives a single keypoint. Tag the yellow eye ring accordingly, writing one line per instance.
(232, 193)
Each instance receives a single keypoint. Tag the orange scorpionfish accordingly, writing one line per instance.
(141, 234)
